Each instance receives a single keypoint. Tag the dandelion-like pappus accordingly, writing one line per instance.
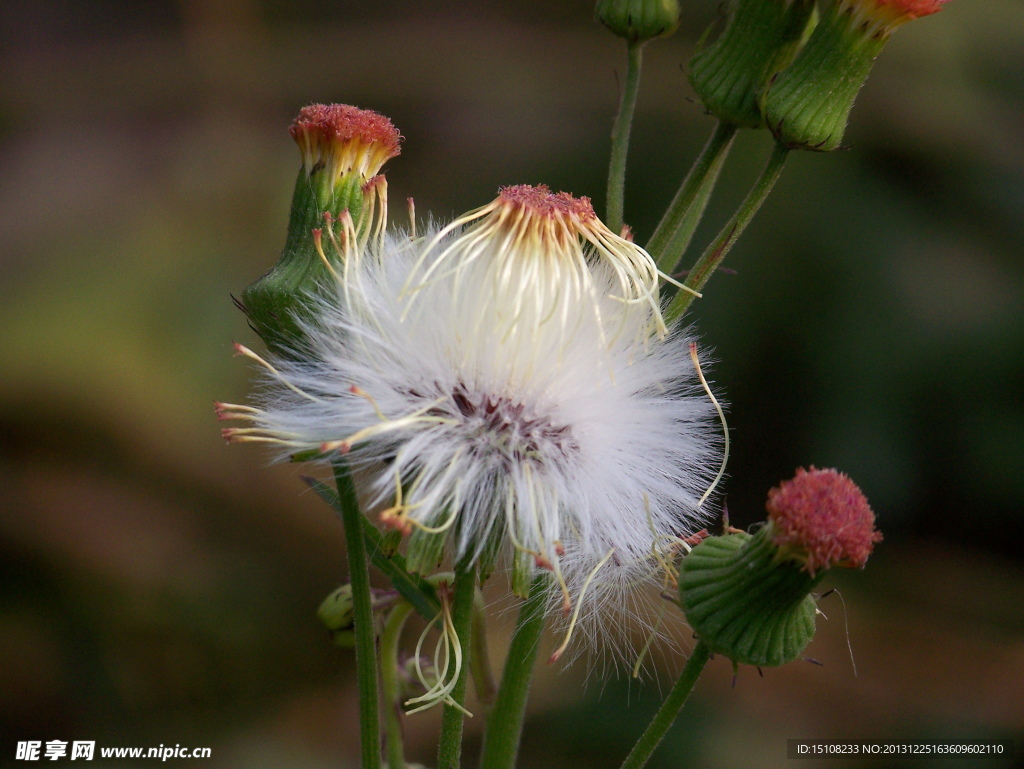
(502, 386)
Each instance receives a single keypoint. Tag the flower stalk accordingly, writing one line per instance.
(505, 724)
(620, 136)
(365, 643)
(719, 247)
(449, 752)
(676, 228)
(389, 642)
(666, 715)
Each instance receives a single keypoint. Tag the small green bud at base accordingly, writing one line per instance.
(337, 611)
(743, 604)
(639, 20)
(761, 38)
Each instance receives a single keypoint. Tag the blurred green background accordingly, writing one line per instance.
(160, 588)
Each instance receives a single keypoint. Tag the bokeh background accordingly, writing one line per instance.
(159, 587)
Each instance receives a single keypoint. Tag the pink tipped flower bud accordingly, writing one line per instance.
(748, 596)
(808, 104)
(821, 519)
(344, 139)
(339, 198)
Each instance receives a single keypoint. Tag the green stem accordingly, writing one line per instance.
(676, 227)
(620, 137)
(505, 723)
(719, 247)
(449, 752)
(389, 683)
(670, 708)
(366, 649)
(480, 658)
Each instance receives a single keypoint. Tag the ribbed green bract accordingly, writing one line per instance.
(638, 20)
(761, 38)
(744, 605)
(277, 301)
(808, 104)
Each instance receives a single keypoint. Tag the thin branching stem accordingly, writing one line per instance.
(449, 752)
(620, 137)
(366, 650)
(719, 247)
(670, 708)
(676, 228)
(505, 723)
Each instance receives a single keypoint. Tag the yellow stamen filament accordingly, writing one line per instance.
(243, 350)
(412, 217)
(721, 416)
(356, 390)
(318, 245)
(681, 286)
(650, 640)
(403, 509)
(448, 646)
(579, 603)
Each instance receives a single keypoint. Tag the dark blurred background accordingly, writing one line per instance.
(160, 588)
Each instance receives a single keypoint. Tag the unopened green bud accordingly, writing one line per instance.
(807, 106)
(761, 38)
(343, 149)
(639, 20)
(337, 612)
(748, 596)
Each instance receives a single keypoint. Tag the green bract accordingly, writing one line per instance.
(745, 604)
(761, 38)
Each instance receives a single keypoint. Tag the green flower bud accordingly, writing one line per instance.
(638, 20)
(761, 38)
(748, 596)
(808, 104)
(337, 612)
(343, 149)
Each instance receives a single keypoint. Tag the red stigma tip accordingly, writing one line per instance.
(543, 563)
(343, 122)
(913, 9)
(824, 517)
(542, 201)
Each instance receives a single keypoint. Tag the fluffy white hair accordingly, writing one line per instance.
(484, 396)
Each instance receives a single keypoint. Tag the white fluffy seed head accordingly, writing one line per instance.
(490, 388)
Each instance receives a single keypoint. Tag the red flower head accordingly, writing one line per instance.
(822, 519)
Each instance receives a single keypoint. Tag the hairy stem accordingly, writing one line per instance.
(449, 752)
(620, 138)
(676, 228)
(389, 683)
(719, 247)
(505, 723)
(366, 651)
(480, 657)
(670, 708)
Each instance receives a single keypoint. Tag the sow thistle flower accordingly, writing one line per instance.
(503, 385)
